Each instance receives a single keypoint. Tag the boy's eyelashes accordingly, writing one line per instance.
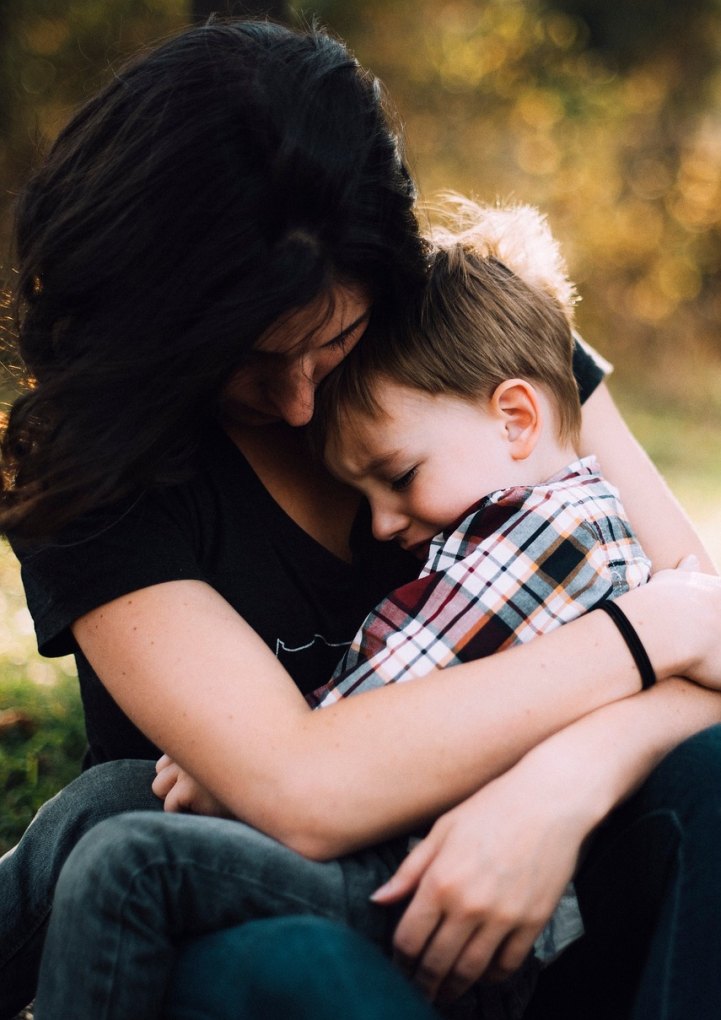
(404, 480)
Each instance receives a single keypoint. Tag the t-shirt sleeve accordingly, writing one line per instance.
(589, 367)
(104, 556)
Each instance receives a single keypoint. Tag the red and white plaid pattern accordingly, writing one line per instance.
(521, 562)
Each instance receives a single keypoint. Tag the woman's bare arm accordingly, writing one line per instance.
(380, 763)
(469, 910)
(486, 879)
(326, 782)
(661, 524)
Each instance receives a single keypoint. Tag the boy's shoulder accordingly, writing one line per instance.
(575, 500)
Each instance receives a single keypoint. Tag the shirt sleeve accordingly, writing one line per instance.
(589, 367)
(538, 566)
(106, 555)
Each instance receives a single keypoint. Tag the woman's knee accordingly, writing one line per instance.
(99, 793)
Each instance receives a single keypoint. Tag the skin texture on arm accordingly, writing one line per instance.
(486, 879)
(318, 781)
(663, 528)
(479, 912)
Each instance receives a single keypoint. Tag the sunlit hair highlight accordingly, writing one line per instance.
(497, 305)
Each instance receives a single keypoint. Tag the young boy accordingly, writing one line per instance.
(462, 433)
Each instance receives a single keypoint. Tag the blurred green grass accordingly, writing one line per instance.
(684, 441)
(42, 736)
(41, 748)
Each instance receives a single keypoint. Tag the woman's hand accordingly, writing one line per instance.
(485, 881)
(180, 792)
(678, 618)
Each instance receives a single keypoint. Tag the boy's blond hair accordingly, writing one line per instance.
(497, 305)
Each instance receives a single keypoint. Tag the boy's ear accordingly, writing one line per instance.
(516, 402)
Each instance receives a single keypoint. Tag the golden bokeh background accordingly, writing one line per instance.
(606, 115)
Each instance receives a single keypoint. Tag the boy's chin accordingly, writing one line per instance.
(419, 549)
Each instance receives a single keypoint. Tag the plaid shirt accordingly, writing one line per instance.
(521, 562)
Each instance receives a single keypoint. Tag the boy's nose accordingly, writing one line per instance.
(388, 524)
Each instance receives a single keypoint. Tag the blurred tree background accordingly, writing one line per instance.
(608, 116)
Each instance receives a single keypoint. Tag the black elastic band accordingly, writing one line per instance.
(633, 641)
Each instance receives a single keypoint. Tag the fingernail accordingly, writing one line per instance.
(381, 891)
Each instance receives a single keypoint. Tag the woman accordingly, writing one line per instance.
(205, 241)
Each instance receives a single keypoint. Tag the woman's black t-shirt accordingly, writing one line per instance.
(221, 527)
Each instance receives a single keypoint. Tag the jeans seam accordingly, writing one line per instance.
(163, 863)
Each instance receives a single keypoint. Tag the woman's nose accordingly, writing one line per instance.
(294, 396)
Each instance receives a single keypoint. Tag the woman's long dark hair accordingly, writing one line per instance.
(228, 177)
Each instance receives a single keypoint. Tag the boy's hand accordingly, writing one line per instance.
(180, 792)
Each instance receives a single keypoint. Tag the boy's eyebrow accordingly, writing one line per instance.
(377, 463)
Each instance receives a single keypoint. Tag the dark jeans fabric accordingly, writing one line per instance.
(290, 968)
(650, 895)
(139, 883)
(650, 892)
(29, 872)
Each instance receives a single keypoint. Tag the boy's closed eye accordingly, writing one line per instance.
(403, 481)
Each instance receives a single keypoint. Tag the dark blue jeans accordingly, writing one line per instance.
(294, 967)
(139, 883)
(290, 968)
(650, 891)
(29, 872)
(650, 895)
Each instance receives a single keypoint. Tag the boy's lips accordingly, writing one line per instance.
(419, 549)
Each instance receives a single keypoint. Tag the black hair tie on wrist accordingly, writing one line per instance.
(633, 641)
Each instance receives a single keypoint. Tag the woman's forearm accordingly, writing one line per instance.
(663, 528)
(392, 759)
(326, 782)
(596, 763)
(383, 762)
(446, 735)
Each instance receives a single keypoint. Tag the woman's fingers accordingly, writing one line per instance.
(511, 953)
(408, 875)
(474, 960)
(450, 930)
(444, 964)
(447, 952)
(484, 882)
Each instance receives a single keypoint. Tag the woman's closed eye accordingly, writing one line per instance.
(348, 335)
(338, 343)
(403, 481)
